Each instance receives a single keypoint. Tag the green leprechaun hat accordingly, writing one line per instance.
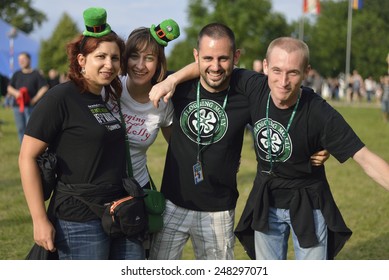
(165, 32)
(95, 20)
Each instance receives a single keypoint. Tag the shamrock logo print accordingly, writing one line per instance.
(275, 142)
(205, 122)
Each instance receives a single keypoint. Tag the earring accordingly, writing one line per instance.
(83, 71)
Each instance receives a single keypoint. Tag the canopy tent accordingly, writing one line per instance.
(21, 43)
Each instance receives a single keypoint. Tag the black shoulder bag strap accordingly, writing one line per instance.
(96, 208)
(128, 155)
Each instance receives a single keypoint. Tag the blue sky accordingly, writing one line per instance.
(126, 15)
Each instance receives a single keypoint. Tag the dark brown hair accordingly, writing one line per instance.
(216, 31)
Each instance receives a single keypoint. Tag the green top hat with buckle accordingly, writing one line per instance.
(165, 32)
(95, 20)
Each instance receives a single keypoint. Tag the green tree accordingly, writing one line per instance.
(21, 15)
(327, 38)
(370, 45)
(253, 23)
(53, 50)
(182, 53)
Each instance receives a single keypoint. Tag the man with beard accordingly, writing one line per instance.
(203, 157)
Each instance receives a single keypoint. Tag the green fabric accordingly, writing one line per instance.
(96, 18)
(165, 32)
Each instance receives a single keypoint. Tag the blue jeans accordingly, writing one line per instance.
(273, 245)
(88, 241)
(21, 120)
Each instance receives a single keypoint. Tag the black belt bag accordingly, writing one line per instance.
(123, 217)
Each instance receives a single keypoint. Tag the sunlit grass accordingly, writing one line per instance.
(364, 204)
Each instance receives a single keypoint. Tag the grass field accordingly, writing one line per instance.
(363, 203)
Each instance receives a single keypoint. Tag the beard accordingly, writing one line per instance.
(216, 85)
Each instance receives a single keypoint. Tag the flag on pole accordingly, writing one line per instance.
(311, 7)
(357, 4)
